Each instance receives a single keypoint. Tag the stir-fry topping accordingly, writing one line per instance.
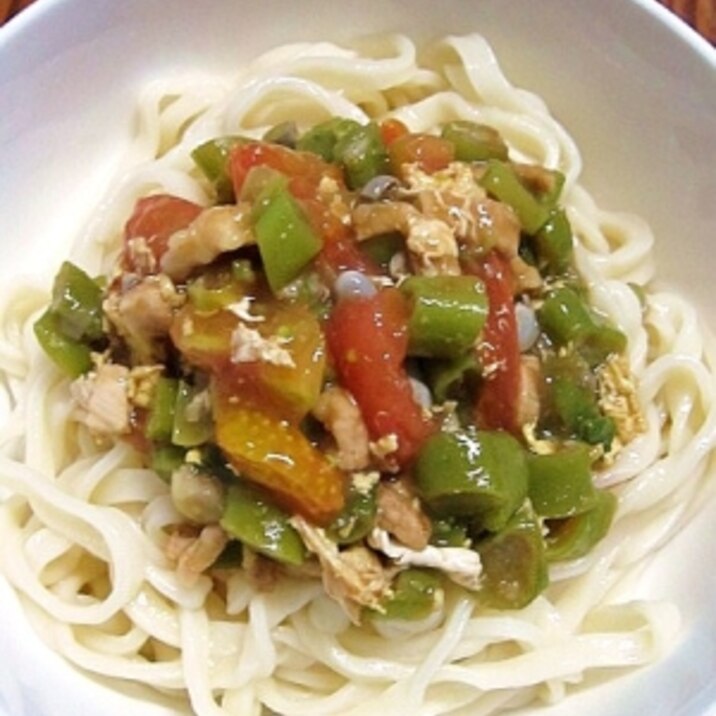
(371, 359)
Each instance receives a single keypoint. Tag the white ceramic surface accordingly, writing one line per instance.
(635, 87)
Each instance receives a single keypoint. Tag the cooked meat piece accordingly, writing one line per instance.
(354, 577)
(263, 573)
(382, 218)
(143, 314)
(399, 513)
(102, 403)
(215, 231)
(201, 554)
(433, 248)
(341, 416)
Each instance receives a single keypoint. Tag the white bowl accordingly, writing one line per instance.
(635, 87)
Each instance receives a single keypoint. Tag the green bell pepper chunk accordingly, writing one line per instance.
(284, 133)
(322, 138)
(514, 565)
(580, 415)
(560, 485)
(381, 248)
(212, 158)
(481, 475)
(448, 379)
(474, 142)
(356, 519)
(416, 594)
(501, 181)
(554, 245)
(77, 304)
(566, 319)
(362, 154)
(160, 423)
(165, 459)
(192, 421)
(286, 240)
(574, 537)
(71, 356)
(449, 532)
(448, 314)
(252, 519)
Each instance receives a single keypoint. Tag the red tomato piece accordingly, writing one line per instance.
(156, 218)
(368, 340)
(430, 153)
(499, 349)
(304, 169)
(392, 129)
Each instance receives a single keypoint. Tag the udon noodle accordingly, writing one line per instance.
(83, 528)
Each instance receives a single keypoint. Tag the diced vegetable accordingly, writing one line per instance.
(270, 451)
(368, 340)
(501, 182)
(322, 138)
(284, 133)
(448, 314)
(449, 379)
(430, 153)
(499, 350)
(480, 475)
(449, 532)
(416, 593)
(575, 536)
(560, 485)
(73, 321)
(567, 321)
(362, 154)
(514, 563)
(160, 422)
(474, 142)
(165, 459)
(357, 518)
(554, 245)
(155, 219)
(250, 517)
(285, 237)
(192, 416)
(212, 158)
(579, 413)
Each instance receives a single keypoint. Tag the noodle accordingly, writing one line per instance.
(83, 528)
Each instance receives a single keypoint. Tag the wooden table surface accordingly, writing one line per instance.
(700, 14)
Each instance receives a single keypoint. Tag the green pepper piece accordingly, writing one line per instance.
(579, 412)
(416, 594)
(161, 413)
(560, 485)
(362, 154)
(514, 566)
(381, 248)
(357, 518)
(285, 237)
(565, 318)
(322, 138)
(448, 314)
(481, 475)
(284, 133)
(554, 245)
(77, 304)
(220, 286)
(501, 181)
(474, 142)
(254, 520)
(447, 379)
(449, 532)
(72, 357)
(192, 417)
(165, 459)
(212, 158)
(574, 537)
(231, 557)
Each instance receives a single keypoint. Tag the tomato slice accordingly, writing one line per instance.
(392, 129)
(155, 218)
(368, 340)
(273, 452)
(430, 153)
(304, 169)
(499, 350)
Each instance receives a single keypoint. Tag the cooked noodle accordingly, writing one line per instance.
(83, 528)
